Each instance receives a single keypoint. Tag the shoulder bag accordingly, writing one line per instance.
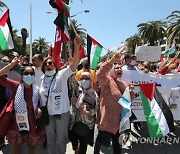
(43, 120)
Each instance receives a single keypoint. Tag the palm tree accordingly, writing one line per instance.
(173, 30)
(24, 35)
(133, 42)
(17, 40)
(175, 16)
(78, 27)
(81, 31)
(2, 4)
(152, 31)
(40, 46)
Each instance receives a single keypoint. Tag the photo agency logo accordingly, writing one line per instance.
(166, 140)
(123, 138)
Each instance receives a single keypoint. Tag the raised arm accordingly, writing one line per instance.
(77, 43)
(7, 68)
(106, 67)
(164, 68)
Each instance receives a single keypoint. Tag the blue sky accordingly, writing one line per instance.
(110, 22)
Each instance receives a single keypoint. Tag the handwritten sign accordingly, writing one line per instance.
(148, 53)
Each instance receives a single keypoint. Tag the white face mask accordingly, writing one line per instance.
(85, 83)
(50, 73)
(133, 62)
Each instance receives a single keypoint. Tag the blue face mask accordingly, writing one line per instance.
(133, 62)
(28, 79)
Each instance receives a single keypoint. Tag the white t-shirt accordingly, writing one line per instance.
(58, 100)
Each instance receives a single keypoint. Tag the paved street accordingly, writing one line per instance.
(139, 146)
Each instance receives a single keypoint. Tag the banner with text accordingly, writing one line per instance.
(168, 85)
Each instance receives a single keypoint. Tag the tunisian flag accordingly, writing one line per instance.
(57, 47)
(62, 34)
(81, 53)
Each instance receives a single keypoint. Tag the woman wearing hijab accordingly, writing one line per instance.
(112, 88)
(25, 96)
(85, 113)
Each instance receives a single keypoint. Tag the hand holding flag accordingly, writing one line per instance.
(77, 44)
(16, 61)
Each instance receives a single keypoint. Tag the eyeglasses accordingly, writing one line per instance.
(27, 73)
(48, 63)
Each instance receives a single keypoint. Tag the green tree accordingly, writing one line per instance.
(79, 29)
(24, 35)
(132, 42)
(40, 46)
(173, 30)
(2, 5)
(152, 31)
(17, 41)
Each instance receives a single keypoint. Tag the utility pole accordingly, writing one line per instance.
(30, 54)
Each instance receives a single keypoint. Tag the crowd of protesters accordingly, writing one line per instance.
(76, 97)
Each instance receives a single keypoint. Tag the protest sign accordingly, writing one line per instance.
(148, 53)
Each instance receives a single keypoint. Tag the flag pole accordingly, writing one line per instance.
(77, 34)
(69, 49)
(73, 27)
(30, 54)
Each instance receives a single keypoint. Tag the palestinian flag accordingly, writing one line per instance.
(6, 41)
(158, 115)
(94, 50)
(60, 5)
(171, 50)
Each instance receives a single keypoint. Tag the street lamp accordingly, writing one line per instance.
(85, 11)
(49, 12)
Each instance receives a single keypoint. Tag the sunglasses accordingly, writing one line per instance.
(84, 78)
(27, 73)
(48, 63)
(33, 59)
